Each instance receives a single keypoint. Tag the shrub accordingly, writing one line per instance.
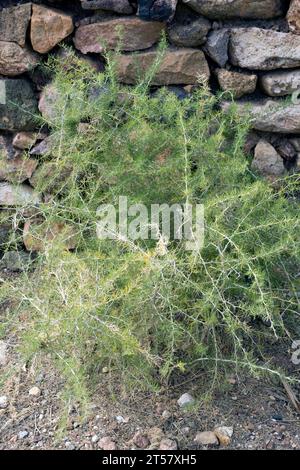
(148, 309)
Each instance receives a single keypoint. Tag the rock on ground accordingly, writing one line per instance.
(224, 9)
(185, 400)
(107, 443)
(3, 354)
(136, 35)
(262, 49)
(3, 402)
(180, 66)
(48, 28)
(224, 434)
(206, 438)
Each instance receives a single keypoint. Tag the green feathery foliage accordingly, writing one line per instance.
(149, 308)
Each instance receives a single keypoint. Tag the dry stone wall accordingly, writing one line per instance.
(250, 48)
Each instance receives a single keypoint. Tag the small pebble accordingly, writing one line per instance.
(185, 400)
(3, 402)
(34, 392)
(22, 434)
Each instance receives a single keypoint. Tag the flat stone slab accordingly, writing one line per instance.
(262, 49)
(226, 9)
(179, 66)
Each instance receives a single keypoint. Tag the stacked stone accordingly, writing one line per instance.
(250, 48)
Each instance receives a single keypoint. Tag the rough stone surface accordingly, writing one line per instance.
(237, 83)
(262, 49)
(118, 6)
(47, 102)
(217, 46)
(206, 438)
(168, 444)
(15, 60)
(48, 28)
(14, 23)
(157, 10)
(5, 233)
(141, 440)
(280, 83)
(267, 161)
(293, 17)
(37, 237)
(18, 105)
(185, 400)
(15, 261)
(224, 434)
(188, 29)
(136, 35)
(34, 392)
(106, 443)
(224, 9)
(50, 176)
(17, 170)
(24, 140)
(12, 195)
(3, 402)
(271, 115)
(180, 66)
(7, 151)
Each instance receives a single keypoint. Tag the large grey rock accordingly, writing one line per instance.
(15, 60)
(17, 195)
(280, 83)
(266, 160)
(188, 29)
(224, 9)
(217, 46)
(119, 6)
(270, 115)
(14, 23)
(18, 105)
(261, 49)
